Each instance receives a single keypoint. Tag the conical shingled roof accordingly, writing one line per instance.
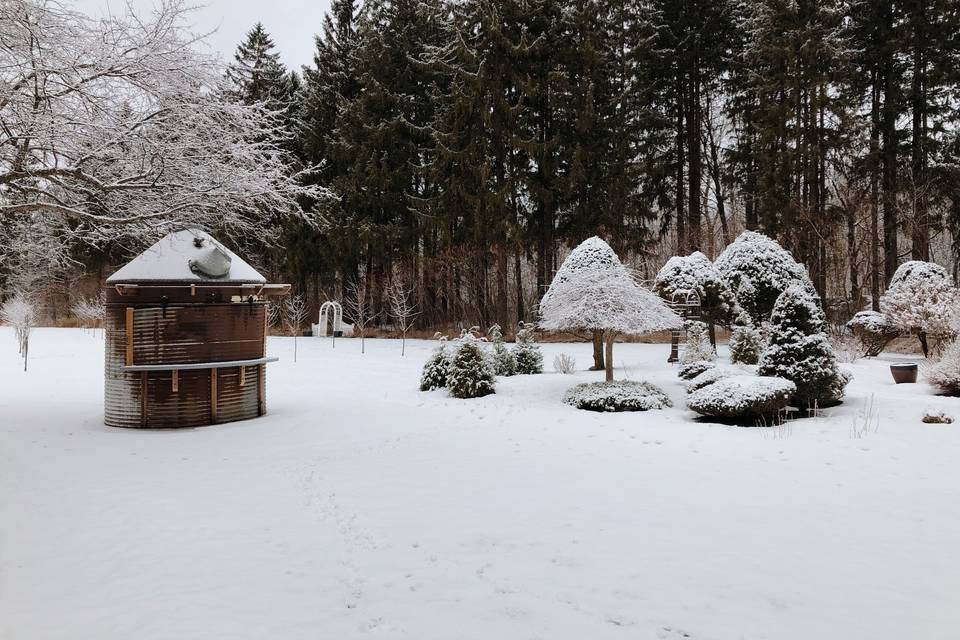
(180, 256)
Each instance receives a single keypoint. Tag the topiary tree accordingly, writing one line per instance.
(469, 374)
(696, 274)
(604, 297)
(437, 367)
(799, 349)
(502, 360)
(527, 354)
(873, 330)
(921, 300)
(698, 347)
(592, 253)
(757, 270)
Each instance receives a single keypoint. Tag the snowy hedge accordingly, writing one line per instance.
(740, 397)
(617, 395)
(692, 370)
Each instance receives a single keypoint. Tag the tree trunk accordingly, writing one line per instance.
(597, 351)
(923, 344)
(608, 338)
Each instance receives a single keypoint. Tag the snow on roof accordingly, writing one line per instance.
(180, 256)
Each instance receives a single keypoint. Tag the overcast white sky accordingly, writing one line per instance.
(291, 23)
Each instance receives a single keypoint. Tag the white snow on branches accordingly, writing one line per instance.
(921, 298)
(592, 291)
(117, 129)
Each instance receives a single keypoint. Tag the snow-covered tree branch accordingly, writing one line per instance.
(119, 128)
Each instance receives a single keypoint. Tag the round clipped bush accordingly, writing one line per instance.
(617, 395)
(710, 376)
(739, 397)
(692, 370)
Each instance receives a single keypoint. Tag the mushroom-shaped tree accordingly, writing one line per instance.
(600, 295)
(592, 253)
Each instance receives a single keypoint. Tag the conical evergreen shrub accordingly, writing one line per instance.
(800, 351)
(435, 370)
(527, 353)
(469, 375)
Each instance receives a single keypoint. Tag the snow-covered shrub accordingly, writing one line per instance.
(697, 347)
(710, 376)
(946, 373)
(563, 363)
(502, 360)
(602, 297)
(937, 416)
(692, 370)
(873, 330)
(758, 270)
(739, 397)
(696, 274)
(469, 374)
(435, 371)
(89, 311)
(800, 351)
(618, 395)
(19, 312)
(922, 300)
(746, 344)
(527, 353)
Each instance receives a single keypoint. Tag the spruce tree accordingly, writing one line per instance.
(800, 351)
(469, 374)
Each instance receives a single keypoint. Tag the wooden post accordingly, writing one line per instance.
(243, 376)
(129, 336)
(213, 395)
(176, 380)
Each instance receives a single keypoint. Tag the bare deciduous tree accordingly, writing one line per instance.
(90, 311)
(403, 306)
(115, 129)
(358, 305)
(294, 313)
(20, 313)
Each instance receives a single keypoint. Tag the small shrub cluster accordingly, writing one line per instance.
(565, 364)
(435, 371)
(937, 416)
(692, 370)
(617, 395)
(742, 397)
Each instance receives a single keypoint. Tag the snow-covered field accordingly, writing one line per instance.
(361, 507)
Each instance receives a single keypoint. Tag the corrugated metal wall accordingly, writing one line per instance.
(183, 334)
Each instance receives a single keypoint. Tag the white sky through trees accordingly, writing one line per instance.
(291, 23)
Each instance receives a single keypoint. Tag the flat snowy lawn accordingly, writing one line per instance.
(360, 506)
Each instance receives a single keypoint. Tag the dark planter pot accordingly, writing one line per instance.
(904, 373)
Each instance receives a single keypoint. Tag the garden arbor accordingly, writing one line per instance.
(602, 296)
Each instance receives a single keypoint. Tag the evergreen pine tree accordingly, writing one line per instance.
(745, 344)
(800, 351)
(502, 360)
(528, 355)
(469, 375)
(436, 369)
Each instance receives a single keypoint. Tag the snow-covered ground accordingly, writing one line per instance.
(362, 507)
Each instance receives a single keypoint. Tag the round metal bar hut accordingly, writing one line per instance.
(186, 334)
